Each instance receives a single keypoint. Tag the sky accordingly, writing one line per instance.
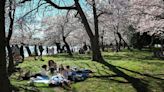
(46, 12)
(43, 12)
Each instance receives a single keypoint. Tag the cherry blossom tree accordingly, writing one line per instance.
(61, 28)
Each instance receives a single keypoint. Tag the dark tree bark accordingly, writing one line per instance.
(94, 39)
(117, 49)
(11, 65)
(10, 54)
(152, 42)
(102, 43)
(22, 52)
(96, 53)
(67, 46)
(28, 50)
(162, 47)
(96, 56)
(4, 81)
(121, 38)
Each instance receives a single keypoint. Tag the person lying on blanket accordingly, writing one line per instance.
(79, 74)
(42, 75)
(59, 80)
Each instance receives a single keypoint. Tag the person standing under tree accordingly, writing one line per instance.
(41, 51)
(36, 52)
(22, 51)
(85, 48)
(47, 50)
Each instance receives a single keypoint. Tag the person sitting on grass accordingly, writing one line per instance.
(52, 67)
(68, 73)
(65, 71)
(23, 75)
(17, 59)
(61, 68)
(26, 76)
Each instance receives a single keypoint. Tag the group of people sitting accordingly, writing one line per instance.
(58, 75)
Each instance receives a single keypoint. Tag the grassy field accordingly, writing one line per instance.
(136, 64)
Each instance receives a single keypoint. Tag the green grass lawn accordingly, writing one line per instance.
(135, 64)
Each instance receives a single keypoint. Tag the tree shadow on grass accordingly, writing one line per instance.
(27, 88)
(109, 77)
(139, 84)
(147, 75)
(161, 85)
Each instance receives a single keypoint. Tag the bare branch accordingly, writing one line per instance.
(24, 1)
(30, 11)
(60, 7)
(104, 12)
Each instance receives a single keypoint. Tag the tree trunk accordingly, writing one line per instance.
(121, 38)
(96, 53)
(116, 43)
(162, 47)
(67, 46)
(10, 54)
(119, 43)
(94, 39)
(102, 43)
(151, 43)
(22, 52)
(47, 50)
(28, 50)
(4, 81)
(11, 61)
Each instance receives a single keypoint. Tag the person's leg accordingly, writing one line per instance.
(41, 52)
(35, 75)
(66, 85)
(35, 56)
(22, 57)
